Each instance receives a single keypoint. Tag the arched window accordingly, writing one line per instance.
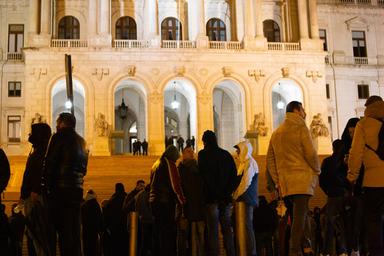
(271, 31)
(69, 28)
(171, 29)
(126, 28)
(216, 30)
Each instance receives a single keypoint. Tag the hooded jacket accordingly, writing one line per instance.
(292, 159)
(5, 172)
(366, 132)
(248, 171)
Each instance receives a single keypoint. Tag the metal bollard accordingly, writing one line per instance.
(133, 225)
(241, 229)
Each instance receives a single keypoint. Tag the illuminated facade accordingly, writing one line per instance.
(182, 67)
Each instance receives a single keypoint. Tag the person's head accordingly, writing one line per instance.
(237, 149)
(140, 184)
(262, 200)
(372, 99)
(40, 135)
(90, 195)
(188, 153)
(209, 138)
(338, 147)
(119, 188)
(296, 107)
(65, 120)
(350, 126)
(171, 153)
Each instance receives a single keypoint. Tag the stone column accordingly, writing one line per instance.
(33, 16)
(152, 22)
(202, 38)
(104, 36)
(313, 19)
(156, 134)
(204, 116)
(45, 17)
(259, 18)
(303, 19)
(240, 19)
(249, 21)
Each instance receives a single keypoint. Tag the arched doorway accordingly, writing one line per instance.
(216, 30)
(130, 114)
(271, 31)
(171, 29)
(179, 111)
(283, 92)
(228, 113)
(126, 28)
(59, 98)
(69, 28)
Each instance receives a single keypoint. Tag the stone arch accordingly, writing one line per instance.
(78, 15)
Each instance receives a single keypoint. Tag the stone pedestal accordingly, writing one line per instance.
(261, 43)
(323, 145)
(249, 43)
(259, 143)
(41, 40)
(100, 40)
(311, 44)
(202, 41)
(101, 147)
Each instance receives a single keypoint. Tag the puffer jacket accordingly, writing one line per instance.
(292, 159)
(66, 160)
(366, 132)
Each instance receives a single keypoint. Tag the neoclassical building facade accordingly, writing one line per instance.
(157, 69)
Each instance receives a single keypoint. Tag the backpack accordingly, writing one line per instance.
(380, 149)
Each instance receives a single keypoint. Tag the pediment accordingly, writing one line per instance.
(357, 23)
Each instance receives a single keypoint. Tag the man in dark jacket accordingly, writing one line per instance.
(333, 181)
(5, 172)
(218, 170)
(65, 168)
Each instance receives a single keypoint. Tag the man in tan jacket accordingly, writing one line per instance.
(367, 133)
(294, 167)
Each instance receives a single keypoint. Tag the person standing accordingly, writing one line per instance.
(366, 136)
(193, 142)
(144, 145)
(334, 183)
(165, 193)
(218, 170)
(246, 197)
(5, 172)
(65, 167)
(180, 144)
(294, 167)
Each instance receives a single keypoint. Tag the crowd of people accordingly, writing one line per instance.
(140, 147)
(207, 204)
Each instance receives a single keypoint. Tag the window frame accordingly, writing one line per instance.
(214, 29)
(15, 90)
(176, 29)
(363, 91)
(16, 128)
(328, 90)
(16, 34)
(323, 38)
(126, 28)
(271, 29)
(69, 28)
(359, 51)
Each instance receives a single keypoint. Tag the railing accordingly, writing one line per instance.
(132, 43)
(15, 56)
(172, 44)
(352, 2)
(231, 45)
(273, 46)
(361, 60)
(380, 2)
(74, 43)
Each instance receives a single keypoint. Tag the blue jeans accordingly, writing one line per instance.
(244, 227)
(220, 212)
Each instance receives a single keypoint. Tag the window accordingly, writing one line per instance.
(327, 91)
(216, 30)
(363, 91)
(271, 31)
(359, 45)
(171, 29)
(14, 89)
(330, 125)
(14, 128)
(15, 37)
(323, 36)
(69, 28)
(126, 28)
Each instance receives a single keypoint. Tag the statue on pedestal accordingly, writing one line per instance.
(259, 126)
(38, 119)
(318, 128)
(101, 125)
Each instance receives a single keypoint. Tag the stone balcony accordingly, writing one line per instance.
(351, 60)
(15, 56)
(353, 2)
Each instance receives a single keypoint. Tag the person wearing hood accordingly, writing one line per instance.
(91, 221)
(367, 134)
(165, 193)
(38, 229)
(294, 167)
(5, 172)
(246, 198)
(192, 184)
(218, 170)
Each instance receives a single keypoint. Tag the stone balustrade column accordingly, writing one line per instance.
(249, 21)
(45, 17)
(104, 17)
(303, 18)
(259, 18)
(201, 18)
(33, 16)
(313, 19)
(240, 19)
(152, 19)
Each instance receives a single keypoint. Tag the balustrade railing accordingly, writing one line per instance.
(70, 43)
(352, 2)
(274, 46)
(174, 44)
(15, 56)
(223, 45)
(361, 60)
(132, 43)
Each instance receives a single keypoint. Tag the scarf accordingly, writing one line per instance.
(175, 180)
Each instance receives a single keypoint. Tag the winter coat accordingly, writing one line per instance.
(333, 178)
(32, 174)
(366, 132)
(5, 171)
(66, 161)
(114, 218)
(143, 207)
(192, 184)
(248, 172)
(292, 159)
(161, 187)
(91, 217)
(218, 170)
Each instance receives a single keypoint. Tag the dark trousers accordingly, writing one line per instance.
(264, 244)
(374, 210)
(66, 214)
(220, 213)
(164, 229)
